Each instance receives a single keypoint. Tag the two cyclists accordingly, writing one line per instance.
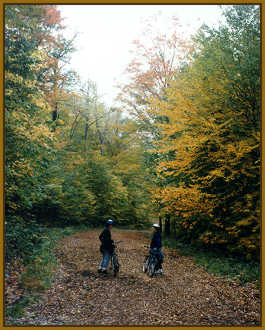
(107, 247)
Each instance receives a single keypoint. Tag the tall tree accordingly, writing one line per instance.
(213, 134)
(29, 143)
(157, 58)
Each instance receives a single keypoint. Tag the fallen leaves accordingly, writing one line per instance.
(13, 272)
(184, 295)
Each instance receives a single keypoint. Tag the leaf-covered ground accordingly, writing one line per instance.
(184, 295)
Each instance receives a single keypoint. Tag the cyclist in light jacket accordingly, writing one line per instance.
(156, 247)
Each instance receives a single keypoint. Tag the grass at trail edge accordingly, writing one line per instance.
(229, 267)
(40, 270)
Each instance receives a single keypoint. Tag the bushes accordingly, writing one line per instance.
(216, 262)
(40, 268)
(21, 239)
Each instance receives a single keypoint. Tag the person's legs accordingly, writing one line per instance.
(100, 264)
(105, 260)
(160, 258)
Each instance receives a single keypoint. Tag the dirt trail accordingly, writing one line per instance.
(184, 295)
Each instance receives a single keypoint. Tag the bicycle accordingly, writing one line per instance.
(114, 262)
(150, 263)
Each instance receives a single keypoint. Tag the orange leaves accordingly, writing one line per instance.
(52, 15)
(182, 199)
(199, 140)
(157, 60)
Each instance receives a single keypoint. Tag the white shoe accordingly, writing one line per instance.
(159, 272)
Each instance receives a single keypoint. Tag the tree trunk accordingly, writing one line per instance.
(167, 225)
(99, 137)
(74, 126)
(86, 132)
(173, 226)
(86, 128)
(160, 225)
(55, 115)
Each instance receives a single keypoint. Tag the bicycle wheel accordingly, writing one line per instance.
(145, 264)
(116, 265)
(151, 267)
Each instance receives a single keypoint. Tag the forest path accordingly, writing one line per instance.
(184, 295)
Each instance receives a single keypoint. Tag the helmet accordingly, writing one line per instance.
(156, 225)
(109, 222)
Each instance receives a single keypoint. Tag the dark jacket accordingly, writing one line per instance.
(106, 241)
(156, 241)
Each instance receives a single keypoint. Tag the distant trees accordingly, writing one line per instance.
(157, 59)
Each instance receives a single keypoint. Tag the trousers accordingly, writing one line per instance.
(105, 259)
(159, 255)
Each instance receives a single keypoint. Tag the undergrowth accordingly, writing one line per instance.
(215, 262)
(40, 269)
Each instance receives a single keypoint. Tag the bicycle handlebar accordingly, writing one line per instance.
(115, 243)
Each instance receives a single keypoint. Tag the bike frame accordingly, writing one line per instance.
(150, 262)
(114, 261)
(153, 258)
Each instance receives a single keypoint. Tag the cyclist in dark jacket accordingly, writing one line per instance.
(107, 247)
(156, 247)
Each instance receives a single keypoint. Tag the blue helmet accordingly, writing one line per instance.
(110, 222)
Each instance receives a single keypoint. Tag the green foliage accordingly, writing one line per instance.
(218, 262)
(232, 54)
(64, 150)
(42, 264)
(21, 239)
(40, 267)
(69, 160)
(209, 168)
(29, 152)
(16, 310)
(230, 268)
